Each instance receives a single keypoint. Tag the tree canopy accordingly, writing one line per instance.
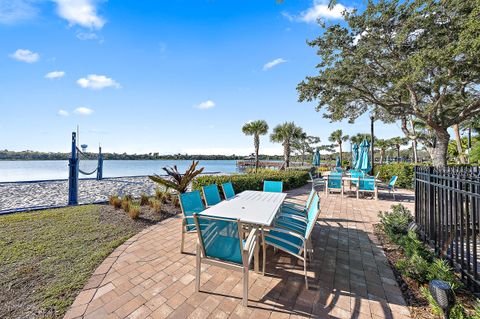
(402, 58)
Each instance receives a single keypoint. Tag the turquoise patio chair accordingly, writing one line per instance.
(292, 242)
(339, 170)
(334, 182)
(298, 223)
(356, 174)
(368, 185)
(220, 243)
(273, 186)
(228, 190)
(211, 195)
(190, 203)
(316, 181)
(391, 185)
(296, 208)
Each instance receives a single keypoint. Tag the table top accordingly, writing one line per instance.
(251, 207)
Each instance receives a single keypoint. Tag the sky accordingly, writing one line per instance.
(143, 76)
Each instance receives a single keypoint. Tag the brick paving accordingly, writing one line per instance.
(148, 277)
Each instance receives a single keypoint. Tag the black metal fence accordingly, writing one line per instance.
(447, 206)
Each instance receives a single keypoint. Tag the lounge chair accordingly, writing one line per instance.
(190, 203)
(211, 195)
(292, 242)
(273, 186)
(220, 243)
(228, 190)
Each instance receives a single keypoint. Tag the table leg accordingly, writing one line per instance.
(256, 258)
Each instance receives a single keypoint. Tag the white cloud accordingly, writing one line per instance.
(25, 56)
(205, 105)
(273, 63)
(319, 9)
(97, 82)
(13, 11)
(86, 35)
(83, 111)
(80, 12)
(55, 75)
(62, 113)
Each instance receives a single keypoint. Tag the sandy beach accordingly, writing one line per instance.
(55, 193)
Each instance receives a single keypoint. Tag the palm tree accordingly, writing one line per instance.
(338, 137)
(255, 128)
(397, 142)
(286, 134)
(382, 145)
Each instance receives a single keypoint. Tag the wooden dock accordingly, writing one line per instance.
(242, 164)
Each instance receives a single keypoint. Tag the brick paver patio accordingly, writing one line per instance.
(147, 277)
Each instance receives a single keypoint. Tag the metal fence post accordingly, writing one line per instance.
(73, 173)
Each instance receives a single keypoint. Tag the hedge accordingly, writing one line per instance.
(404, 171)
(254, 181)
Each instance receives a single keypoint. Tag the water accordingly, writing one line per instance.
(45, 170)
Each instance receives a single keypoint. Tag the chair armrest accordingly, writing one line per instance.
(250, 243)
(281, 230)
(291, 216)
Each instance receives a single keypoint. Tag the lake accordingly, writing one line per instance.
(46, 170)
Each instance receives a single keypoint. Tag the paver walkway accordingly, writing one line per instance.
(147, 277)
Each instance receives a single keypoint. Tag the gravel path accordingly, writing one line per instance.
(55, 193)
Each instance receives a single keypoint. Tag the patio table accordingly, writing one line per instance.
(251, 207)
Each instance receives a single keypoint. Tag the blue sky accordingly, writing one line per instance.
(158, 76)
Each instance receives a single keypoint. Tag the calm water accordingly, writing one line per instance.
(42, 170)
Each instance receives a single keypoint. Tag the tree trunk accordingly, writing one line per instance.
(256, 143)
(286, 154)
(382, 155)
(398, 153)
(341, 155)
(415, 151)
(458, 141)
(438, 153)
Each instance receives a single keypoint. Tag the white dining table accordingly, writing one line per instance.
(250, 207)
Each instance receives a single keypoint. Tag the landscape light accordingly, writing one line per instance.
(443, 295)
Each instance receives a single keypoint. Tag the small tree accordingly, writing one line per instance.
(398, 142)
(382, 145)
(338, 138)
(305, 145)
(178, 181)
(286, 134)
(406, 58)
(255, 128)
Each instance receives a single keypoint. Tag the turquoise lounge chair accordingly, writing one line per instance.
(292, 242)
(211, 195)
(228, 190)
(368, 184)
(190, 203)
(220, 243)
(334, 182)
(273, 186)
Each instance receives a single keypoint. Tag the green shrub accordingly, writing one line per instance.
(144, 199)
(440, 269)
(396, 223)
(134, 211)
(404, 171)
(415, 267)
(412, 245)
(254, 181)
(457, 312)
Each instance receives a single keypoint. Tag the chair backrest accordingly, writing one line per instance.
(211, 194)
(220, 238)
(273, 186)
(356, 174)
(376, 175)
(334, 180)
(228, 190)
(310, 197)
(339, 169)
(313, 213)
(392, 181)
(367, 184)
(191, 203)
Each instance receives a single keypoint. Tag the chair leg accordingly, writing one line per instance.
(305, 269)
(245, 286)
(183, 237)
(199, 269)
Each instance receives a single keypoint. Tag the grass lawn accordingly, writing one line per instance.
(46, 257)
